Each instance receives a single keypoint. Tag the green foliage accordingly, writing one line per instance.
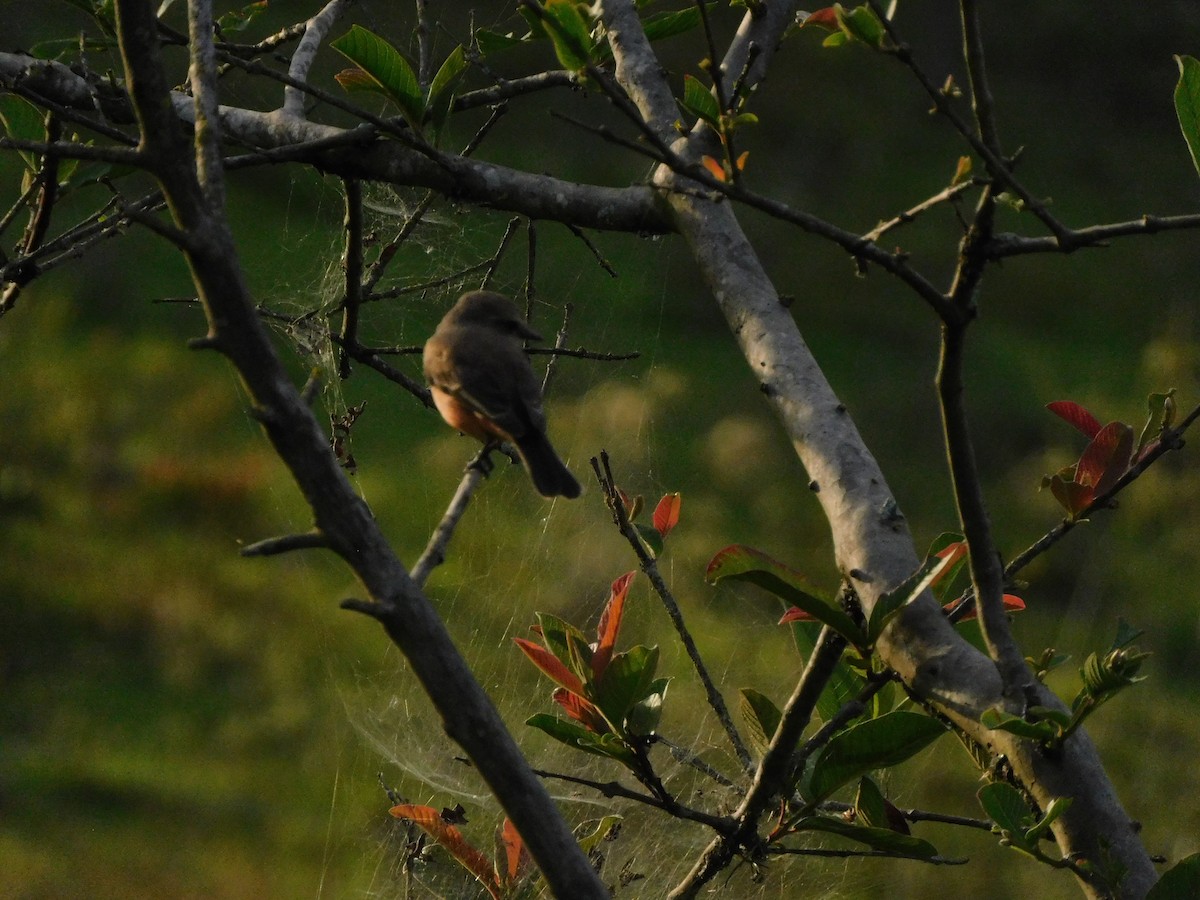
(382, 69)
(1187, 104)
(1012, 819)
(614, 699)
(1104, 676)
(1180, 882)
(873, 744)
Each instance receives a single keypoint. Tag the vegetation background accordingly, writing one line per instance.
(178, 721)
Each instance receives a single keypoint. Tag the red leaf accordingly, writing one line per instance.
(516, 857)
(796, 614)
(451, 838)
(610, 623)
(1074, 414)
(551, 665)
(825, 18)
(666, 514)
(582, 711)
(1106, 457)
(1012, 603)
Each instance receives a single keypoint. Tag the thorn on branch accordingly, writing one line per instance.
(208, 342)
(378, 611)
(275, 546)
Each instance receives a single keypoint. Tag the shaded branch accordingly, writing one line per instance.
(612, 499)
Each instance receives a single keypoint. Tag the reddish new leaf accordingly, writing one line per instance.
(452, 840)
(1074, 414)
(796, 614)
(582, 711)
(714, 168)
(1106, 457)
(516, 857)
(824, 18)
(610, 624)
(551, 665)
(1012, 603)
(666, 514)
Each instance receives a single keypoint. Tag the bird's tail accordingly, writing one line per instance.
(550, 475)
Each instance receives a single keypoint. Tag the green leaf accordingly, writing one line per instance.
(563, 640)
(861, 24)
(441, 90)
(626, 680)
(570, 34)
(999, 720)
(1005, 806)
(877, 838)
(599, 834)
(580, 738)
(869, 806)
(650, 537)
(236, 20)
(873, 744)
(1187, 104)
(386, 68)
(644, 716)
(1057, 807)
(1180, 882)
(492, 42)
(844, 684)
(699, 101)
(1161, 409)
(669, 24)
(22, 120)
(742, 563)
(890, 604)
(761, 716)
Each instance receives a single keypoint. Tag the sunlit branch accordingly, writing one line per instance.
(305, 54)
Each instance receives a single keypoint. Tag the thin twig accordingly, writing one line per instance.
(435, 551)
(352, 264)
(720, 824)
(648, 564)
(953, 192)
(493, 264)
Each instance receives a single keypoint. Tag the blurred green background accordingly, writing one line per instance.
(176, 721)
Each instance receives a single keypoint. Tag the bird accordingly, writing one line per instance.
(483, 385)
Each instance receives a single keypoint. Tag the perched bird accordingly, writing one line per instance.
(484, 386)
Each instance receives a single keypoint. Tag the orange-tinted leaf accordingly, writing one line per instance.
(950, 554)
(1076, 415)
(452, 840)
(551, 665)
(823, 18)
(610, 623)
(516, 857)
(714, 168)
(666, 514)
(962, 171)
(1012, 603)
(581, 710)
(1106, 457)
(741, 160)
(355, 79)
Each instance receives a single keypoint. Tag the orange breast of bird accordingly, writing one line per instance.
(461, 416)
